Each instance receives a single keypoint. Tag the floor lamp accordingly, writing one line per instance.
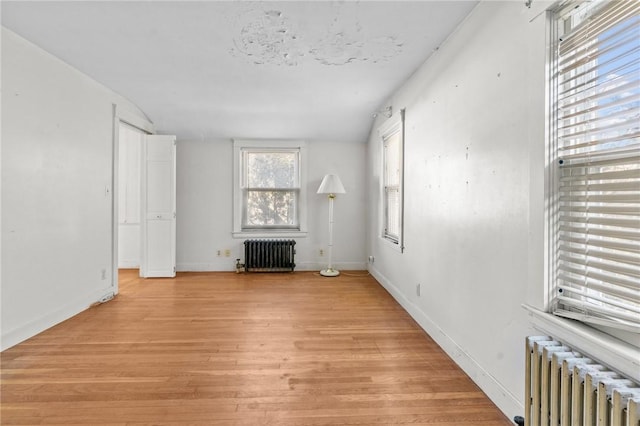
(331, 185)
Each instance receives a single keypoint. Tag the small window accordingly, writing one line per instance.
(595, 217)
(392, 135)
(268, 187)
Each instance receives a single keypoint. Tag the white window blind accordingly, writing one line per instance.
(597, 135)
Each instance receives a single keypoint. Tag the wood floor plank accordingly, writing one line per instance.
(240, 349)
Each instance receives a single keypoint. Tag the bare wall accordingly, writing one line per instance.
(474, 168)
(57, 132)
(205, 199)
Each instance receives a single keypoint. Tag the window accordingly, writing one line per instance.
(268, 187)
(392, 135)
(595, 219)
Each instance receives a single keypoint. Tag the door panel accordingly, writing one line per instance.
(160, 259)
(159, 198)
(159, 207)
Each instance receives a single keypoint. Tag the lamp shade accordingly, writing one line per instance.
(331, 185)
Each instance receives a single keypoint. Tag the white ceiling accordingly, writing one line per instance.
(315, 70)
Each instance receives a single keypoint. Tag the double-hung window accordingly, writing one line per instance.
(595, 157)
(268, 187)
(392, 135)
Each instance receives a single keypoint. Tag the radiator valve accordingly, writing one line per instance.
(239, 266)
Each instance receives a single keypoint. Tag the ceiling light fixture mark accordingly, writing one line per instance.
(269, 37)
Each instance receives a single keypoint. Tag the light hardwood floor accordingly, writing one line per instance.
(248, 349)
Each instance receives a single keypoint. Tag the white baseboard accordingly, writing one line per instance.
(30, 329)
(346, 266)
(504, 400)
(206, 267)
(128, 264)
(300, 266)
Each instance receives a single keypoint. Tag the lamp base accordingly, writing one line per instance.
(329, 272)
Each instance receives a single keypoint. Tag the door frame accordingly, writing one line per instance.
(142, 123)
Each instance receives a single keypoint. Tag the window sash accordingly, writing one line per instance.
(597, 219)
(290, 221)
(392, 166)
(392, 209)
(295, 172)
(286, 199)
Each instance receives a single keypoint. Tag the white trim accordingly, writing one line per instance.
(207, 267)
(129, 264)
(550, 176)
(275, 234)
(620, 356)
(238, 145)
(391, 244)
(300, 266)
(499, 395)
(38, 325)
(142, 123)
(120, 115)
(391, 125)
(557, 19)
(115, 193)
(342, 266)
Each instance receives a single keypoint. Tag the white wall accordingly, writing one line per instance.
(474, 188)
(474, 194)
(205, 196)
(57, 172)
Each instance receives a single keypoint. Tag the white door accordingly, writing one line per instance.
(130, 141)
(158, 207)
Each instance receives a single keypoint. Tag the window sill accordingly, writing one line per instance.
(269, 234)
(393, 245)
(617, 354)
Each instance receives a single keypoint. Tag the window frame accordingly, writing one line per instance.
(617, 349)
(239, 204)
(565, 12)
(392, 126)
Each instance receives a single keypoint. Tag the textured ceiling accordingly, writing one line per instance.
(314, 70)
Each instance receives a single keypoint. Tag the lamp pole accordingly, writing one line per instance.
(330, 272)
(331, 185)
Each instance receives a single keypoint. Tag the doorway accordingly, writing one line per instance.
(130, 140)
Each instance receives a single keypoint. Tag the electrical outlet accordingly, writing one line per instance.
(321, 252)
(371, 259)
(219, 253)
(227, 253)
(103, 274)
(418, 289)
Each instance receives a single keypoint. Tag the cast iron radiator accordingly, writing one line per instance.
(564, 387)
(269, 255)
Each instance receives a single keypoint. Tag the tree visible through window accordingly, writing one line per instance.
(271, 187)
